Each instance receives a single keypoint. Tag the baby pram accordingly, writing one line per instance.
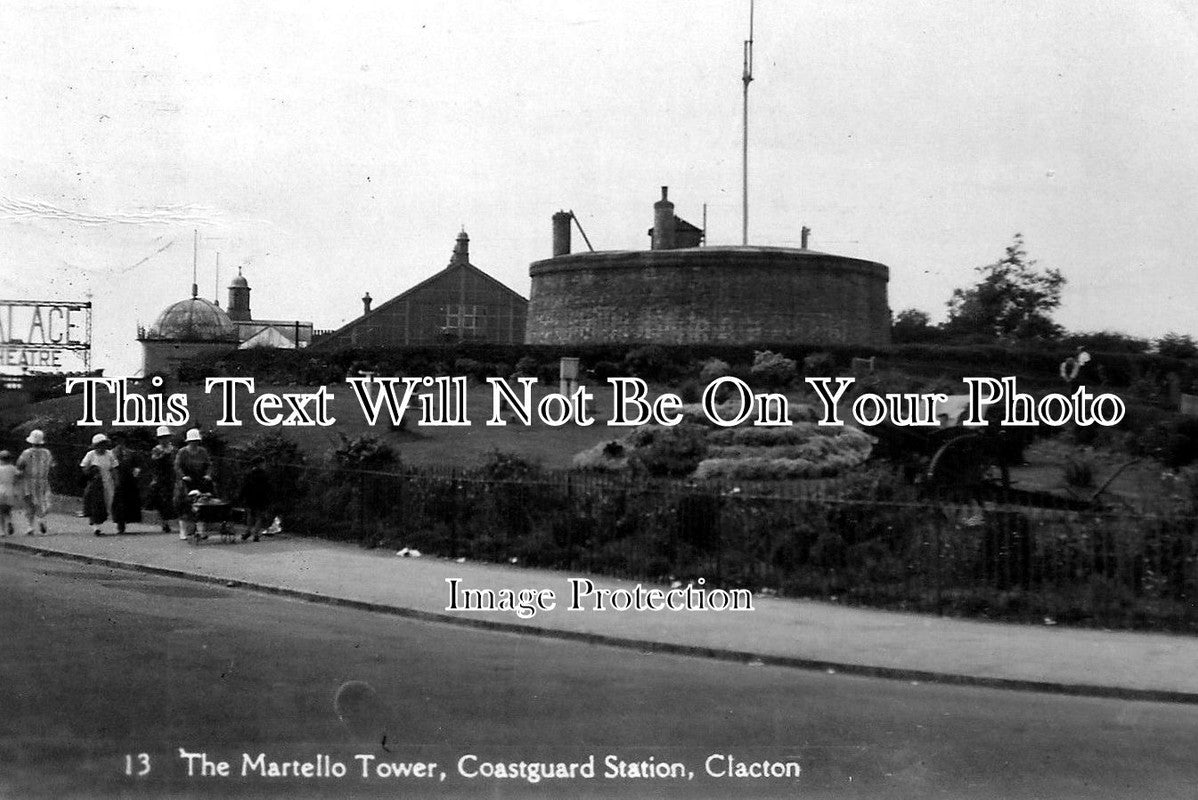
(212, 513)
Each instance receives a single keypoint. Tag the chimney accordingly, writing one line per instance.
(366, 301)
(561, 234)
(663, 222)
(461, 250)
(806, 232)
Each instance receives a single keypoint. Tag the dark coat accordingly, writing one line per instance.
(256, 494)
(126, 501)
(162, 481)
(94, 504)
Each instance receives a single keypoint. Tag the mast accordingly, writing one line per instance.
(747, 78)
(195, 263)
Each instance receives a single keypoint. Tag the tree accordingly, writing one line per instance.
(1013, 300)
(912, 326)
(1177, 345)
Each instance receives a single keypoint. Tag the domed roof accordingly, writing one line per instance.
(239, 282)
(194, 320)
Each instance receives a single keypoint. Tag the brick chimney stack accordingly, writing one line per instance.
(663, 222)
(561, 234)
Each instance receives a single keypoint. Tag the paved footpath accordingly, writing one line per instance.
(791, 632)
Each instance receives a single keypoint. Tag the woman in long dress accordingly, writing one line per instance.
(193, 472)
(35, 463)
(126, 501)
(162, 484)
(99, 465)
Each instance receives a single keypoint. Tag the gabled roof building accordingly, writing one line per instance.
(460, 303)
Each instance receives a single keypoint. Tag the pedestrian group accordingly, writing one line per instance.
(179, 478)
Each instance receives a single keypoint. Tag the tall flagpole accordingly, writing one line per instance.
(747, 77)
(195, 263)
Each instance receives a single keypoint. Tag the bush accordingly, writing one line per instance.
(1079, 473)
(819, 365)
(651, 363)
(690, 392)
(610, 456)
(607, 369)
(713, 368)
(526, 367)
(773, 370)
(1177, 345)
(1106, 342)
(58, 431)
(365, 452)
(670, 451)
(1174, 442)
(503, 466)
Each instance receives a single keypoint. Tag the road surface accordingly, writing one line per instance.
(107, 674)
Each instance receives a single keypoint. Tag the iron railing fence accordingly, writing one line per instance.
(994, 559)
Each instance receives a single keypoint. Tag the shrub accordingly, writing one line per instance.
(607, 369)
(58, 431)
(365, 452)
(610, 456)
(773, 370)
(713, 368)
(690, 392)
(670, 451)
(272, 447)
(526, 367)
(819, 365)
(1177, 345)
(1079, 473)
(508, 467)
(1174, 442)
(652, 363)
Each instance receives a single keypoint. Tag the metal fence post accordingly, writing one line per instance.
(937, 523)
(454, 499)
(362, 505)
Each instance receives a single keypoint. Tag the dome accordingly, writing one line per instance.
(239, 282)
(194, 320)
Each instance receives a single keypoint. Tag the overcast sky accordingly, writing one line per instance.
(333, 149)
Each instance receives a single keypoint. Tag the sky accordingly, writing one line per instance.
(330, 149)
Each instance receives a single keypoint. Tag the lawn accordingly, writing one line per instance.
(460, 446)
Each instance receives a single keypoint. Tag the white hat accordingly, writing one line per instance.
(163, 431)
(193, 435)
(99, 438)
(36, 437)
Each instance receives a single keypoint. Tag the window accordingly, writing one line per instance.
(465, 321)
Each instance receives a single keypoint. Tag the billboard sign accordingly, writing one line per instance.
(45, 336)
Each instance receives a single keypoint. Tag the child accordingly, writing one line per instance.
(8, 491)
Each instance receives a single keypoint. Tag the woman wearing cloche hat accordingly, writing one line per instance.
(35, 463)
(99, 465)
(193, 470)
(162, 484)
